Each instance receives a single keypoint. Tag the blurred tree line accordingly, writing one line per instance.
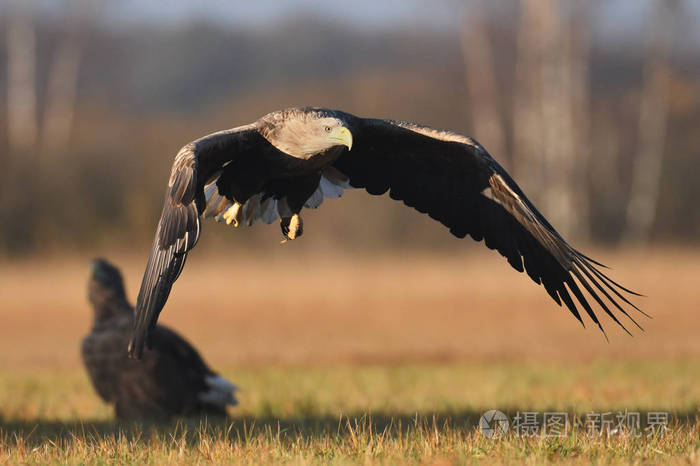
(603, 137)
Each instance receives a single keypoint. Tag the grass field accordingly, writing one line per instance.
(392, 359)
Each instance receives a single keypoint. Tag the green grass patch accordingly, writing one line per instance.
(397, 414)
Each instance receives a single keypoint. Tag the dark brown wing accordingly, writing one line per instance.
(455, 181)
(168, 381)
(180, 225)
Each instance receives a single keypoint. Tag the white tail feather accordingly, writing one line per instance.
(221, 392)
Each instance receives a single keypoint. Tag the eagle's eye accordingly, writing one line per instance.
(327, 129)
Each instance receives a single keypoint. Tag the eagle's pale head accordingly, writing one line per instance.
(305, 132)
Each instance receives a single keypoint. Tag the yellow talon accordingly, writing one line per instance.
(232, 213)
(294, 223)
(292, 227)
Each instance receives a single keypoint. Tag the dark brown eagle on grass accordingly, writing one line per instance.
(294, 158)
(171, 380)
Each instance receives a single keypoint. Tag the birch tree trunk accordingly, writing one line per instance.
(581, 115)
(481, 81)
(21, 83)
(527, 123)
(60, 105)
(555, 111)
(653, 115)
(551, 112)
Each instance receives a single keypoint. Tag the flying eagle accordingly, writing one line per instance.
(171, 380)
(295, 158)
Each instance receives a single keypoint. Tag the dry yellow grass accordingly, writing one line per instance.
(292, 306)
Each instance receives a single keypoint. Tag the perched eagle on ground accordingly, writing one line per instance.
(171, 380)
(294, 158)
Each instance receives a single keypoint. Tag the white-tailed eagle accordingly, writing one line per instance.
(294, 158)
(171, 380)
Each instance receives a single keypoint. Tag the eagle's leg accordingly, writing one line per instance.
(297, 191)
(233, 214)
(292, 227)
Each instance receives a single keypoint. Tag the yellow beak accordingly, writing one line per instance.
(342, 136)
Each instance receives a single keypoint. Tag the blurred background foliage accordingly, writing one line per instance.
(593, 106)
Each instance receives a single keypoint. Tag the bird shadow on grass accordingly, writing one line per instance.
(191, 431)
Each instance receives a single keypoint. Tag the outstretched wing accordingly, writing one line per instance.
(179, 227)
(455, 181)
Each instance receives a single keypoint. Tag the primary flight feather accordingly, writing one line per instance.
(294, 158)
